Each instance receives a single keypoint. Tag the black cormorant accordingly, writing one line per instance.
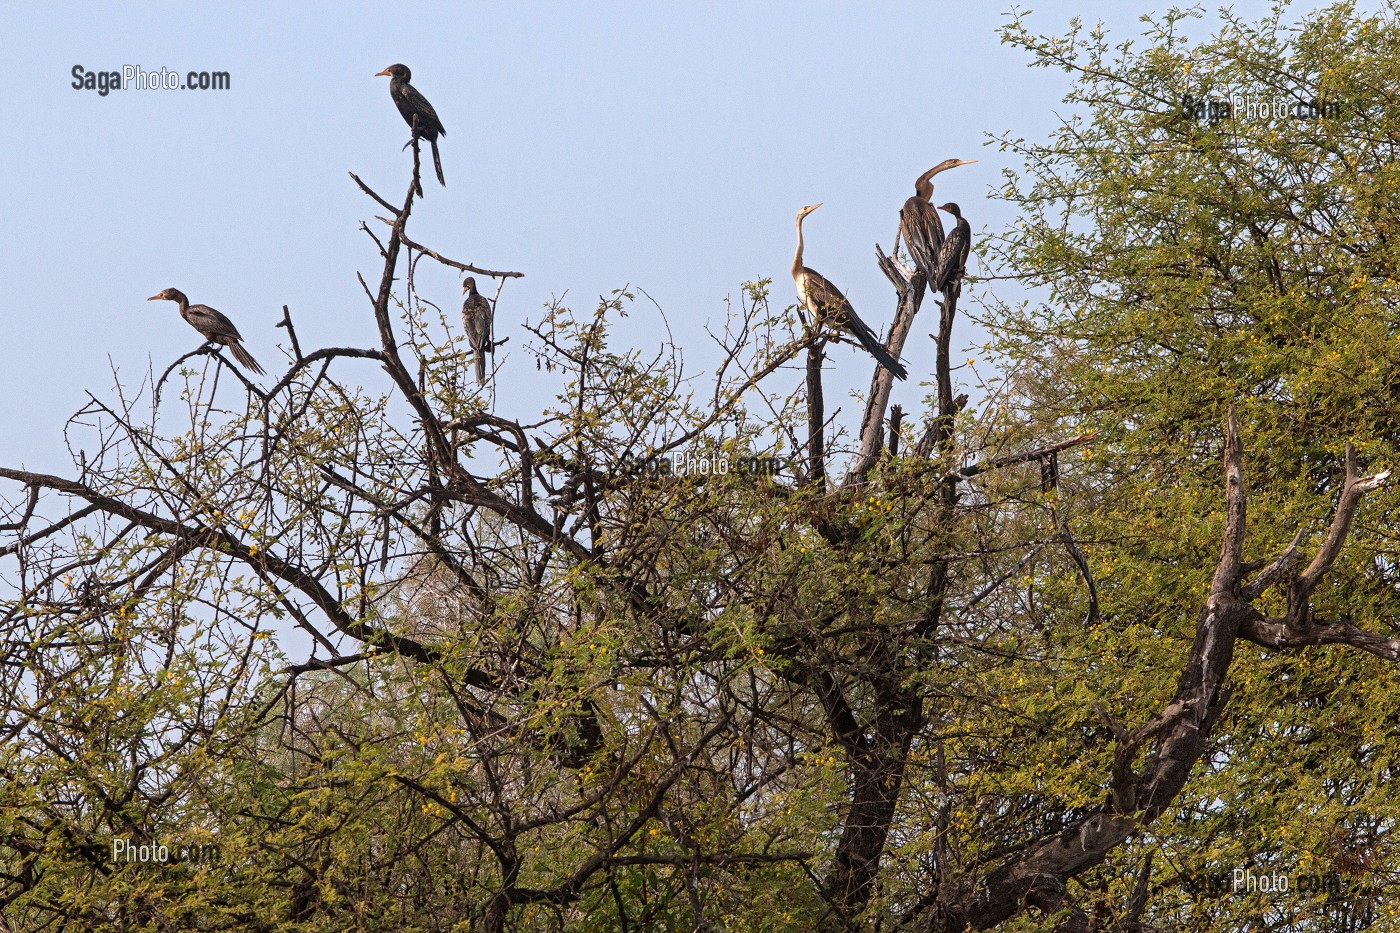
(214, 326)
(417, 112)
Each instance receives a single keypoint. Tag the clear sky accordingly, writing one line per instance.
(663, 145)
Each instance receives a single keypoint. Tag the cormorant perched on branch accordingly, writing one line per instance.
(919, 223)
(476, 319)
(952, 259)
(829, 306)
(417, 112)
(214, 326)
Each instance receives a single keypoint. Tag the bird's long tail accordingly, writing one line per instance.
(481, 367)
(437, 164)
(875, 348)
(244, 357)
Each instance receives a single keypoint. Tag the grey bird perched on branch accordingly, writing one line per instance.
(828, 306)
(952, 259)
(919, 223)
(214, 326)
(417, 112)
(476, 319)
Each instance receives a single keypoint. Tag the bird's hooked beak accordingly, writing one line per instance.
(156, 298)
(383, 74)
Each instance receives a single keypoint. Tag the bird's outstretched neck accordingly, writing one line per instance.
(797, 256)
(923, 185)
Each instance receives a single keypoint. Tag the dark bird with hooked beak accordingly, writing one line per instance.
(952, 259)
(214, 326)
(417, 112)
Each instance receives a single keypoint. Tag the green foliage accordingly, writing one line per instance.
(557, 688)
(1189, 267)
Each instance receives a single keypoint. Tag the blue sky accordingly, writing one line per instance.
(659, 145)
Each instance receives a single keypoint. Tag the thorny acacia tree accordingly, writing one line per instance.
(1193, 265)
(888, 688)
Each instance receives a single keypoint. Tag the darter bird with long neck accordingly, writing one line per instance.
(214, 326)
(829, 307)
(420, 116)
(476, 320)
(952, 258)
(919, 223)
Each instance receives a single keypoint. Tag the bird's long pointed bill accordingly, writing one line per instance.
(957, 163)
(383, 74)
(154, 298)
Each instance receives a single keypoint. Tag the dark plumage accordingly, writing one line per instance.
(829, 306)
(214, 326)
(952, 259)
(417, 112)
(476, 320)
(919, 223)
(923, 235)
